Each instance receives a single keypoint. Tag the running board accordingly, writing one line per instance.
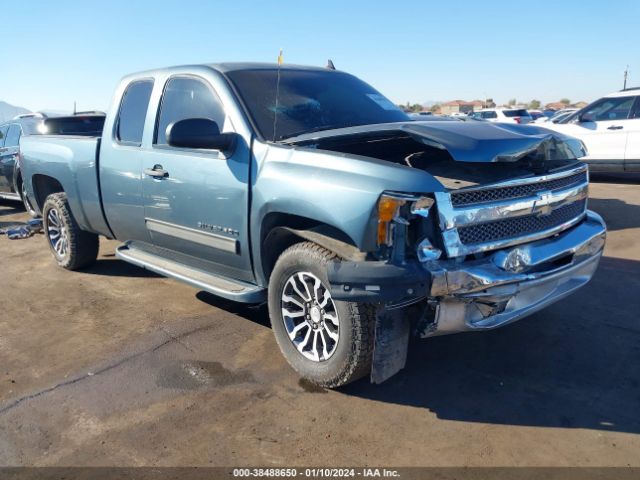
(220, 286)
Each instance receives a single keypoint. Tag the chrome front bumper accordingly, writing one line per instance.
(512, 283)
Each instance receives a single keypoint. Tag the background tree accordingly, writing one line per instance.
(566, 101)
(534, 104)
(512, 102)
(435, 108)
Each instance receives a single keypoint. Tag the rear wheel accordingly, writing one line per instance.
(72, 247)
(328, 342)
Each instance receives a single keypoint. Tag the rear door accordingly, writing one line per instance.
(198, 213)
(121, 164)
(8, 157)
(632, 152)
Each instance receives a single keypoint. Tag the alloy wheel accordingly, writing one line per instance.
(310, 316)
(57, 233)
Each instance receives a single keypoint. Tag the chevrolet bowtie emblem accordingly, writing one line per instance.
(542, 206)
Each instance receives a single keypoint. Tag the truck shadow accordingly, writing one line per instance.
(9, 208)
(618, 214)
(258, 314)
(117, 268)
(573, 365)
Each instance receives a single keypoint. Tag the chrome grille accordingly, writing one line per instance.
(519, 226)
(510, 213)
(467, 197)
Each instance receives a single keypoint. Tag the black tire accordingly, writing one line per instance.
(25, 200)
(80, 247)
(353, 350)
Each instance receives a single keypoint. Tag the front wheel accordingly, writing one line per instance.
(328, 342)
(72, 247)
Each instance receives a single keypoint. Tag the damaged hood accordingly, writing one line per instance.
(470, 141)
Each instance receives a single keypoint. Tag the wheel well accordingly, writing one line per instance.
(16, 182)
(43, 186)
(280, 231)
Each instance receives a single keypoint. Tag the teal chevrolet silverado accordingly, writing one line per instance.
(307, 189)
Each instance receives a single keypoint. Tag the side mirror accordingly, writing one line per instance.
(587, 117)
(200, 133)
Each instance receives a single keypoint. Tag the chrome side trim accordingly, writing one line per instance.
(10, 196)
(191, 235)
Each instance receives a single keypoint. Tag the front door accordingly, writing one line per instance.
(198, 211)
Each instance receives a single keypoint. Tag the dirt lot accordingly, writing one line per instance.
(117, 366)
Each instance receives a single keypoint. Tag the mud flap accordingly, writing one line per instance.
(391, 343)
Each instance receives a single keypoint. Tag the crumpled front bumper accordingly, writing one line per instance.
(481, 294)
(516, 282)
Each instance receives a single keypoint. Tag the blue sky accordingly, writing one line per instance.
(55, 52)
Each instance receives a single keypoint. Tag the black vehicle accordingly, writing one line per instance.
(11, 184)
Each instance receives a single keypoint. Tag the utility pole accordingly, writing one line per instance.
(626, 74)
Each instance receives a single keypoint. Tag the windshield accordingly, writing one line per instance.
(310, 100)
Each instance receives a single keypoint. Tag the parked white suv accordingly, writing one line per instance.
(610, 128)
(504, 115)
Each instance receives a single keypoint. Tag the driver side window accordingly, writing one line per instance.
(187, 97)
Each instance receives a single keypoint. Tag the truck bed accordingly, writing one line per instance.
(72, 161)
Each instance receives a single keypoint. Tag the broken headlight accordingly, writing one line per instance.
(397, 214)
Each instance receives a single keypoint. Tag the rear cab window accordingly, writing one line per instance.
(80, 125)
(133, 112)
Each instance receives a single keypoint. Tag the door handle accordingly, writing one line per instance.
(615, 127)
(156, 172)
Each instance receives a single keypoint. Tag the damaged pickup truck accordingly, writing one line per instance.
(306, 188)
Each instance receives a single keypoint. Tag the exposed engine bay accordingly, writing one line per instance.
(454, 159)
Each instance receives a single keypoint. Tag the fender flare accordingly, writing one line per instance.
(326, 238)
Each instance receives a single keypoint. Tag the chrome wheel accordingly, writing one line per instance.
(57, 233)
(310, 316)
